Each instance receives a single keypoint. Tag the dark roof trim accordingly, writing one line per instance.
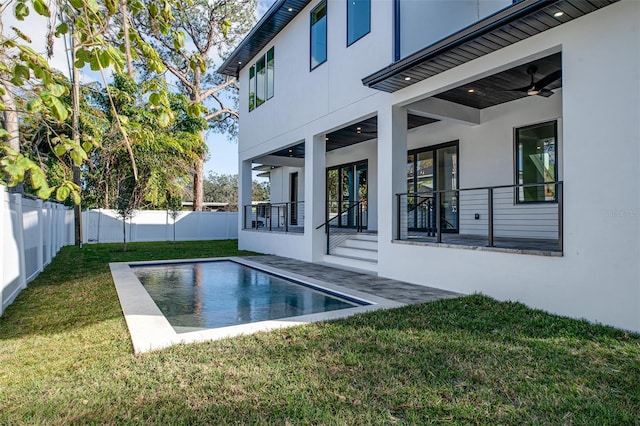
(277, 17)
(387, 79)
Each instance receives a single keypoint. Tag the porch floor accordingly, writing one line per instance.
(398, 291)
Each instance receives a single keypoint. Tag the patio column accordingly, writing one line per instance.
(244, 192)
(314, 195)
(392, 165)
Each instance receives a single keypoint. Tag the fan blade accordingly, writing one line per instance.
(545, 81)
(545, 92)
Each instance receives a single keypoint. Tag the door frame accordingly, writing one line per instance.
(434, 149)
(353, 165)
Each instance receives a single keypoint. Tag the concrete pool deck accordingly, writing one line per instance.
(150, 330)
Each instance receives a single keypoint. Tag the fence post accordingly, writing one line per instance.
(490, 215)
(559, 195)
(286, 217)
(16, 200)
(438, 225)
(40, 225)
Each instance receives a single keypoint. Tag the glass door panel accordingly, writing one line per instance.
(424, 187)
(333, 195)
(361, 178)
(447, 180)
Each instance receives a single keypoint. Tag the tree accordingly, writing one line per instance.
(163, 155)
(174, 209)
(87, 21)
(127, 202)
(201, 30)
(221, 188)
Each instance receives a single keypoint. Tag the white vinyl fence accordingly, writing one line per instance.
(31, 234)
(104, 226)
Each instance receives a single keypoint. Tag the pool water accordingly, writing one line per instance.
(214, 294)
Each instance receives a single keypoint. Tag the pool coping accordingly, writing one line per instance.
(150, 330)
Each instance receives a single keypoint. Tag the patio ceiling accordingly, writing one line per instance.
(495, 89)
(355, 133)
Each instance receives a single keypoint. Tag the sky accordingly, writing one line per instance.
(223, 153)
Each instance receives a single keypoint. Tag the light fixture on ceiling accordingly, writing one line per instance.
(326, 138)
(358, 130)
(407, 78)
(290, 9)
(239, 62)
(558, 14)
(533, 92)
(471, 91)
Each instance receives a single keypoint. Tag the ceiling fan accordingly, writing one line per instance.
(539, 87)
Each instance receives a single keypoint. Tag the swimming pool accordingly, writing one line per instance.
(203, 295)
(181, 313)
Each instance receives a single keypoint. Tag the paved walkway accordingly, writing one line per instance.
(398, 291)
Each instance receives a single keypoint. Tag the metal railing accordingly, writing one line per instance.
(274, 217)
(493, 216)
(358, 209)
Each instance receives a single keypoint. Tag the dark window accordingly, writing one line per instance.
(261, 77)
(261, 80)
(358, 20)
(252, 87)
(270, 75)
(319, 35)
(536, 152)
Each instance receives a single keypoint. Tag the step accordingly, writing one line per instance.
(363, 244)
(356, 253)
(363, 236)
(360, 265)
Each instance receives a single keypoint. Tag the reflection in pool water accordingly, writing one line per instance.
(203, 295)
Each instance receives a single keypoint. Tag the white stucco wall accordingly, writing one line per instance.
(302, 96)
(598, 277)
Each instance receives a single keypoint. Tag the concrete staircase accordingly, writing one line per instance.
(357, 251)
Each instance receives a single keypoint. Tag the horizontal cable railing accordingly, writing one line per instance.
(525, 216)
(275, 217)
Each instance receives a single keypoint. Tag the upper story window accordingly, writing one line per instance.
(536, 153)
(319, 35)
(358, 20)
(261, 80)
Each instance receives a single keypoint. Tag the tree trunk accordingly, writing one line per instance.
(75, 132)
(127, 41)
(124, 234)
(198, 186)
(9, 119)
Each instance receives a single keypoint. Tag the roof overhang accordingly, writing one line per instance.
(507, 26)
(277, 17)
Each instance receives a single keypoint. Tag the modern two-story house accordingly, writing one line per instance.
(485, 146)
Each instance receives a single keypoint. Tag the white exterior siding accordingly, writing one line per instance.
(598, 276)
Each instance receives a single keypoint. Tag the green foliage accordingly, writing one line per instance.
(20, 66)
(221, 188)
(164, 154)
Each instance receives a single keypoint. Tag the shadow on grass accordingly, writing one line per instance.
(398, 366)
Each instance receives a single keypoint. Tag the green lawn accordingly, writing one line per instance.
(66, 357)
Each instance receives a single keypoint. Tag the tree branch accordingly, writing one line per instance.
(231, 82)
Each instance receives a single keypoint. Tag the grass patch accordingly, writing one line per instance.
(66, 357)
